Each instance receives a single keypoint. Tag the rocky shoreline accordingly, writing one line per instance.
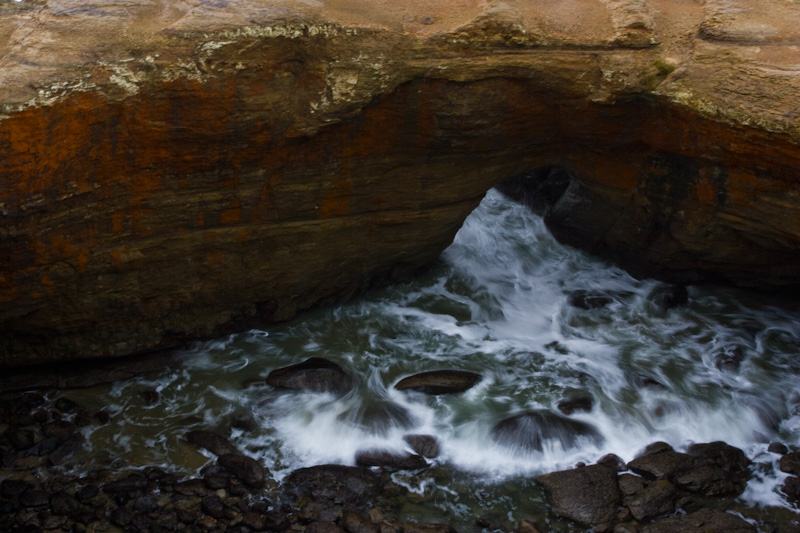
(41, 489)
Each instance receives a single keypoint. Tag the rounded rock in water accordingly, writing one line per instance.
(528, 431)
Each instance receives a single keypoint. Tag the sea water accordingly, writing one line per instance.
(501, 302)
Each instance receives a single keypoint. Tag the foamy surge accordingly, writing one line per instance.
(723, 367)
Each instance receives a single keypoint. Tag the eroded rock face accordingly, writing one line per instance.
(176, 170)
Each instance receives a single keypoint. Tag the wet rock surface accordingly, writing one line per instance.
(315, 374)
(530, 430)
(234, 494)
(588, 495)
(439, 382)
(391, 460)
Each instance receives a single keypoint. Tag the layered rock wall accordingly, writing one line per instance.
(172, 171)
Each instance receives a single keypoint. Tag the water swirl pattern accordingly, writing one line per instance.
(540, 322)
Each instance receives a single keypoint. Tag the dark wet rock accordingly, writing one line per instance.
(323, 527)
(31, 399)
(150, 396)
(319, 511)
(244, 423)
(390, 460)
(613, 461)
(13, 487)
(357, 523)
(63, 452)
(167, 521)
(87, 492)
(378, 417)
(589, 301)
(216, 481)
(21, 439)
(53, 522)
(668, 297)
(186, 516)
(427, 528)
(337, 483)
(314, 374)
(790, 463)
(657, 447)
(720, 470)
(440, 382)
(122, 516)
(102, 417)
(711, 469)
(705, 520)
(131, 484)
(145, 504)
(664, 464)
(530, 429)
(60, 429)
(247, 470)
(34, 498)
(212, 506)
(276, 521)
(65, 405)
(253, 520)
(778, 447)
(791, 488)
(424, 445)
(62, 503)
(577, 403)
(651, 499)
(44, 447)
(213, 442)
(588, 495)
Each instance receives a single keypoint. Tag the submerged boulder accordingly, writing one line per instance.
(439, 382)
(530, 430)
(378, 417)
(213, 442)
(315, 375)
(391, 460)
(424, 445)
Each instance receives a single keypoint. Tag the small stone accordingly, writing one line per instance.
(424, 445)
(150, 396)
(213, 442)
(356, 523)
(88, 492)
(65, 405)
(145, 504)
(21, 439)
(613, 461)
(427, 20)
(529, 431)
(102, 417)
(777, 447)
(121, 516)
(34, 498)
(212, 506)
(276, 521)
(13, 487)
(247, 470)
(790, 463)
(791, 488)
(254, 521)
